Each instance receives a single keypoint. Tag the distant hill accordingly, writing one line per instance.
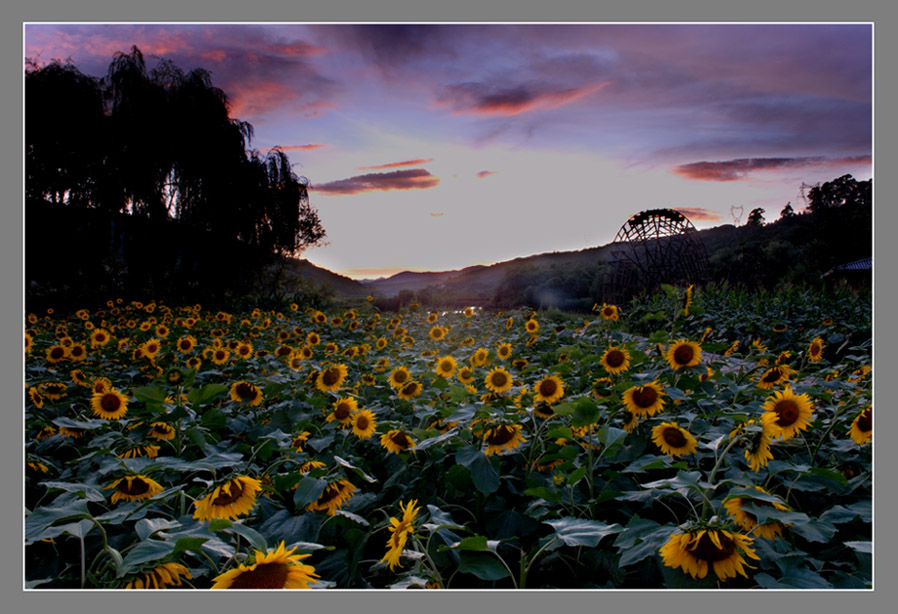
(339, 284)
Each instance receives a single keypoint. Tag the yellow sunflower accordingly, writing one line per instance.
(399, 532)
(300, 440)
(674, 440)
(110, 405)
(504, 351)
(399, 377)
(247, 393)
(775, 375)
(862, 427)
(684, 354)
(466, 375)
(220, 356)
(793, 411)
(616, 360)
(446, 366)
(758, 453)
(815, 350)
(396, 441)
(532, 326)
(331, 378)
(409, 391)
(698, 550)
(278, 568)
(334, 496)
(344, 408)
(498, 380)
(438, 332)
(364, 423)
(503, 437)
(748, 521)
(56, 353)
(610, 312)
(478, 359)
(161, 430)
(234, 498)
(161, 576)
(185, 344)
(548, 390)
(645, 400)
(134, 488)
(77, 352)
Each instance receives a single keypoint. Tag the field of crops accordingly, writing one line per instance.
(707, 439)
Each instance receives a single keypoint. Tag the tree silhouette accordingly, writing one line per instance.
(787, 211)
(840, 191)
(755, 217)
(159, 145)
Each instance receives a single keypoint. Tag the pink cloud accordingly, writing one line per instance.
(697, 214)
(409, 179)
(739, 169)
(483, 174)
(482, 99)
(395, 164)
(308, 147)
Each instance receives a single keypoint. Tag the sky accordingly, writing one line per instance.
(433, 147)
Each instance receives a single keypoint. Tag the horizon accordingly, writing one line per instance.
(436, 147)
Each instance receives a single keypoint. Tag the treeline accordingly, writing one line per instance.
(140, 184)
(795, 249)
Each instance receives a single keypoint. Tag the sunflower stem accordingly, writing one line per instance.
(526, 570)
(706, 504)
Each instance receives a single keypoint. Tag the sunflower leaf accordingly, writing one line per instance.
(581, 532)
(145, 552)
(147, 527)
(483, 565)
(438, 439)
(149, 394)
(252, 536)
(308, 490)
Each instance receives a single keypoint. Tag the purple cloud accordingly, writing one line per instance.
(410, 179)
(735, 170)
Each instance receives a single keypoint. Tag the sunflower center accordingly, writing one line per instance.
(684, 354)
(674, 437)
(362, 422)
(234, 494)
(446, 366)
(57, 352)
(614, 358)
(342, 411)
(399, 439)
(400, 376)
(645, 396)
(137, 487)
(500, 435)
(410, 388)
(266, 575)
(706, 549)
(548, 387)
(772, 376)
(331, 491)
(788, 412)
(219, 355)
(110, 403)
(865, 422)
(330, 377)
(499, 379)
(185, 345)
(245, 390)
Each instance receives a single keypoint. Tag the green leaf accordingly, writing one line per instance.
(560, 431)
(252, 536)
(192, 544)
(576, 475)
(42, 518)
(586, 412)
(796, 578)
(581, 532)
(438, 439)
(544, 493)
(146, 527)
(863, 547)
(145, 552)
(153, 394)
(205, 394)
(213, 419)
(835, 476)
(308, 490)
(457, 394)
(563, 409)
(220, 524)
(482, 564)
(675, 393)
(815, 531)
(485, 476)
(611, 438)
(82, 490)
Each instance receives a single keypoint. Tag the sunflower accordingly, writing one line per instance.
(792, 411)
(185, 344)
(363, 424)
(45, 433)
(748, 521)
(644, 400)
(674, 440)
(548, 390)
(110, 405)
(504, 351)
(278, 568)
(307, 466)
(35, 396)
(409, 391)
(247, 393)
(446, 367)
(234, 498)
(815, 350)
(56, 353)
(774, 375)
(479, 358)
(438, 332)
(77, 352)
(99, 337)
(162, 430)
(729, 351)
(334, 496)
(862, 427)
(399, 377)
(532, 326)
(134, 488)
(399, 532)
(502, 437)
(368, 379)
(220, 356)
(194, 362)
(758, 453)
(498, 380)
(344, 408)
(466, 375)
(610, 312)
(331, 378)
(696, 550)
(151, 348)
(396, 441)
(684, 354)
(138, 450)
(52, 391)
(72, 432)
(166, 574)
(616, 360)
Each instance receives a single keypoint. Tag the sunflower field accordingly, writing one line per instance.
(709, 438)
